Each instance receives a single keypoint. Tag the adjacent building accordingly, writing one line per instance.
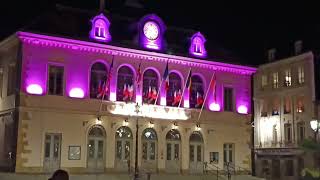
(284, 103)
(80, 91)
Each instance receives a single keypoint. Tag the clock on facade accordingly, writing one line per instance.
(151, 30)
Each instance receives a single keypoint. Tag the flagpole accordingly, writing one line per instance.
(205, 98)
(155, 103)
(184, 87)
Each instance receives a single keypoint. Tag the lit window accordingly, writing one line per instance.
(197, 93)
(98, 81)
(174, 93)
(300, 75)
(287, 105)
(228, 99)
(300, 104)
(100, 29)
(276, 107)
(287, 79)
(214, 157)
(150, 86)
(275, 79)
(197, 45)
(56, 80)
(264, 81)
(125, 88)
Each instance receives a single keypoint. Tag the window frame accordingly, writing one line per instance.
(275, 80)
(301, 75)
(264, 81)
(232, 98)
(287, 78)
(63, 78)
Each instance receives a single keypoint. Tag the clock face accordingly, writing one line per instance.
(151, 30)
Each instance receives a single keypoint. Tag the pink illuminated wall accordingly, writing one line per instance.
(77, 57)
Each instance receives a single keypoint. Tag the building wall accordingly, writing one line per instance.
(72, 117)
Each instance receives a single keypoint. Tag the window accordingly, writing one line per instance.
(197, 93)
(275, 80)
(297, 47)
(264, 81)
(264, 108)
(98, 80)
(197, 44)
(99, 30)
(287, 133)
(275, 168)
(300, 104)
(271, 54)
(276, 107)
(300, 75)
(228, 99)
(150, 86)
(55, 80)
(289, 167)
(174, 93)
(214, 157)
(1, 81)
(125, 88)
(228, 153)
(11, 79)
(301, 131)
(274, 135)
(287, 105)
(265, 167)
(287, 80)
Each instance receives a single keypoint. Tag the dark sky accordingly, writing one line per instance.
(247, 30)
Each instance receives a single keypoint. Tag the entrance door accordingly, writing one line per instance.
(196, 153)
(173, 151)
(52, 153)
(95, 158)
(149, 150)
(123, 149)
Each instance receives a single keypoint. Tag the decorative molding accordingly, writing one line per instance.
(77, 45)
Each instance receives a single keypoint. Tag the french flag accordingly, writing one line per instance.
(166, 76)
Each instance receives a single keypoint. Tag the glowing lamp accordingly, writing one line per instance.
(139, 99)
(76, 93)
(186, 104)
(163, 101)
(175, 126)
(34, 89)
(242, 109)
(214, 107)
(125, 123)
(314, 125)
(113, 96)
(198, 128)
(151, 124)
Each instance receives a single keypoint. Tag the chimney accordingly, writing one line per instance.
(102, 5)
(297, 47)
(271, 54)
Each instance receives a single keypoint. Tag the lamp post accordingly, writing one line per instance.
(136, 170)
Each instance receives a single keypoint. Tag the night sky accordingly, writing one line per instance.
(246, 30)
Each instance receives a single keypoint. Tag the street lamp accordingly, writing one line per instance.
(136, 170)
(315, 126)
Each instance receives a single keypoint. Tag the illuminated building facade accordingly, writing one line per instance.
(77, 102)
(284, 103)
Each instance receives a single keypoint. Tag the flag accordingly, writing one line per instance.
(130, 92)
(188, 85)
(199, 100)
(139, 75)
(166, 76)
(213, 86)
(177, 98)
(110, 71)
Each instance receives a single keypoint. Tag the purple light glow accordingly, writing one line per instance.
(214, 107)
(34, 89)
(163, 101)
(151, 32)
(113, 96)
(100, 29)
(197, 47)
(242, 109)
(76, 93)
(139, 99)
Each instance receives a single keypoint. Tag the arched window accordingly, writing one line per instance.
(174, 93)
(197, 45)
(149, 149)
(197, 93)
(149, 134)
(96, 148)
(97, 81)
(196, 152)
(174, 135)
(150, 86)
(100, 29)
(196, 137)
(124, 132)
(125, 88)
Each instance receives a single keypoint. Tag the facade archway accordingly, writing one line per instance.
(125, 84)
(150, 86)
(196, 153)
(123, 149)
(96, 149)
(98, 75)
(197, 93)
(173, 148)
(174, 92)
(149, 149)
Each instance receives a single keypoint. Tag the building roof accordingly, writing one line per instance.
(75, 23)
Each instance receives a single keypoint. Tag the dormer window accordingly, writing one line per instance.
(100, 29)
(197, 45)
